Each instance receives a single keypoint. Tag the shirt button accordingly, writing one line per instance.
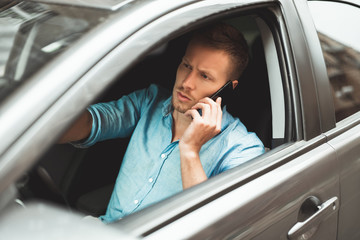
(136, 201)
(151, 180)
(163, 155)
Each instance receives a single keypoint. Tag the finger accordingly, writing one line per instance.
(211, 103)
(193, 113)
(216, 110)
(218, 101)
(206, 100)
(205, 109)
(219, 115)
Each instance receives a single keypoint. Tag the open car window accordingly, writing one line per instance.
(68, 173)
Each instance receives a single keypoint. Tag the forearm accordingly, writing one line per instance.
(192, 171)
(79, 130)
(201, 129)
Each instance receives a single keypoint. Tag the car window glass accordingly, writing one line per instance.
(337, 28)
(32, 34)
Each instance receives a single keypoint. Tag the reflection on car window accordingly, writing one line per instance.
(340, 41)
(32, 34)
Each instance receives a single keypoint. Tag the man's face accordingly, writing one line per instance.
(202, 71)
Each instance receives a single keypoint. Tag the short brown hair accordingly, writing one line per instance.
(222, 36)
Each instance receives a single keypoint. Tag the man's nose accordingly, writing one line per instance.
(189, 81)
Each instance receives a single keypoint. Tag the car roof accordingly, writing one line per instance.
(103, 4)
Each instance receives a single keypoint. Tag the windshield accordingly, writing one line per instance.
(32, 34)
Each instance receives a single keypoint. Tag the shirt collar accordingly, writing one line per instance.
(167, 107)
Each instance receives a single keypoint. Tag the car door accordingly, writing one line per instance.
(344, 138)
(292, 191)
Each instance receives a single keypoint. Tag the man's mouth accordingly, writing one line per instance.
(182, 97)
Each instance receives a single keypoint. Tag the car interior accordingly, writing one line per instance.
(83, 179)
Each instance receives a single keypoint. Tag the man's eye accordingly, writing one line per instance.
(204, 76)
(187, 66)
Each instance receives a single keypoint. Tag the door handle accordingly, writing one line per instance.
(305, 229)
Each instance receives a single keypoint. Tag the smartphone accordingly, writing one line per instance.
(223, 92)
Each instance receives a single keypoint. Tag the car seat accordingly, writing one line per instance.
(251, 100)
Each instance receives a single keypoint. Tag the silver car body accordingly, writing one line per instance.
(318, 164)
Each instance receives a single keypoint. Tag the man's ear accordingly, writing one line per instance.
(234, 83)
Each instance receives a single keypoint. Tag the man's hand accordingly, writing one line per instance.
(201, 129)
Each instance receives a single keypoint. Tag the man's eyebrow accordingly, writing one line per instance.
(208, 73)
(205, 71)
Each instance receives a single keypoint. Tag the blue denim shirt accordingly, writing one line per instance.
(150, 170)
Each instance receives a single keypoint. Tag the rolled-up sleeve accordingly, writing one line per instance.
(116, 119)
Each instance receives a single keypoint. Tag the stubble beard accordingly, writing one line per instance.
(177, 106)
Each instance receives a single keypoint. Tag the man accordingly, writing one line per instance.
(180, 140)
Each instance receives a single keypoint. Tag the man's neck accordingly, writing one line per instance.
(180, 123)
